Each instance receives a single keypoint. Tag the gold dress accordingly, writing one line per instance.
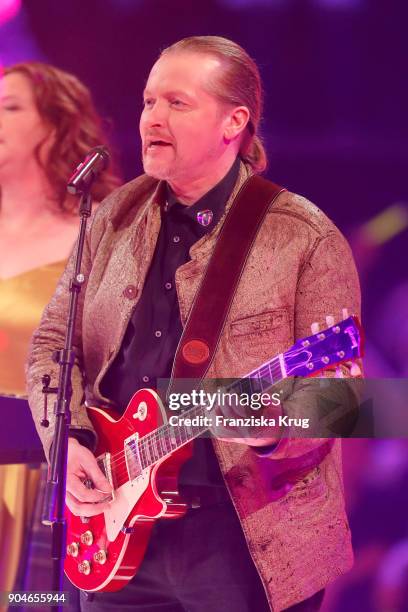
(22, 301)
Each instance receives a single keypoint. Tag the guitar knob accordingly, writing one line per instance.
(84, 568)
(73, 549)
(87, 538)
(100, 557)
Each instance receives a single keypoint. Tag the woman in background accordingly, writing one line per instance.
(48, 123)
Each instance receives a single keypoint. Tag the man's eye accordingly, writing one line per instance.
(11, 107)
(176, 102)
(148, 103)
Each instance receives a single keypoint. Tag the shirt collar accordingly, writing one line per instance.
(214, 200)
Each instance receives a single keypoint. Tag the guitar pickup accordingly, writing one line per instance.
(132, 456)
(104, 463)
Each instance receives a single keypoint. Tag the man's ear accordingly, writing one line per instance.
(236, 122)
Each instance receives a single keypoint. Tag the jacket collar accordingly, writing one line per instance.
(153, 195)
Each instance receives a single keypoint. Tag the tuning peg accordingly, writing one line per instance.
(315, 327)
(329, 321)
(345, 313)
(355, 370)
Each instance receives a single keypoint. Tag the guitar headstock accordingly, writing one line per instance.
(340, 342)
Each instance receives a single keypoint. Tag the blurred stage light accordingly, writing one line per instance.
(386, 225)
(241, 4)
(126, 6)
(339, 4)
(8, 9)
(291, 4)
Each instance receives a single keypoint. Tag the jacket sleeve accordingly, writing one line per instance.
(328, 283)
(51, 332)
(47, 338)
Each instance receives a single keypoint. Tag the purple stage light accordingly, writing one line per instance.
(9, 9)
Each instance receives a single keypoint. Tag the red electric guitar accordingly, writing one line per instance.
(141, 455)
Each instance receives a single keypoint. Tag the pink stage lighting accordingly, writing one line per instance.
(8, 9)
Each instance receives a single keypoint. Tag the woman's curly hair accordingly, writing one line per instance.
(66, 104)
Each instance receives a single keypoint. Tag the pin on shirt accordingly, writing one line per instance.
(204, 217)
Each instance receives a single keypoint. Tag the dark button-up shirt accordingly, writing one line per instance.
(154, 330)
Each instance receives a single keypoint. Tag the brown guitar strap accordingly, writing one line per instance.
(212, 303)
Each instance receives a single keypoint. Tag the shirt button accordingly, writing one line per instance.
(168, 285)
(157, 333)
(176, 239)
(130, 292)
(145, 379)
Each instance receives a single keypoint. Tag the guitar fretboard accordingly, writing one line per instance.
(166, 439)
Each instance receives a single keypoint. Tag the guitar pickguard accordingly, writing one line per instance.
(125, 498)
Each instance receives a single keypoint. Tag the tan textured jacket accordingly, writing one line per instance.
(300, 270)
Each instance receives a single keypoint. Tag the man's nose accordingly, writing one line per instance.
(157, 115)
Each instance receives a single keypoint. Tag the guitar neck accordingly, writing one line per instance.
(308, 356)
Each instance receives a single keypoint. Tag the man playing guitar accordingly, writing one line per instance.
(264, 525)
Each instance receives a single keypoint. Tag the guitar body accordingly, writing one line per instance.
(105, 551)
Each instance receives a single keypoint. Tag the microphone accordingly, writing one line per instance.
(87, 171)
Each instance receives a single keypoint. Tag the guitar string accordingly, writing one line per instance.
(149, 449)
(151, 452)
(156, 435)
(148, 444)
(124, 473)
(152, 438)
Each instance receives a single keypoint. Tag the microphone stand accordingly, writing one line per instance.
(54, 500)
